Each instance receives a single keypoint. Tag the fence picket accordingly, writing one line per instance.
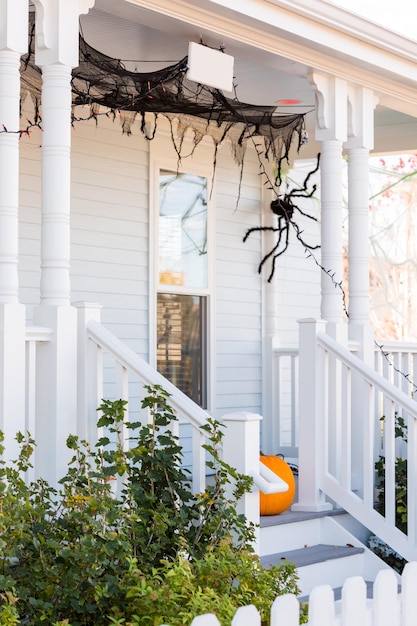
(247, 616)
(386, 606)
(285, 610)
(321, 611)
(409, 595)
(354, 603)
(208, 619)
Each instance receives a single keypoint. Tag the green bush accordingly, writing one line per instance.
(400, 478)
(381, 549)
(155, 553)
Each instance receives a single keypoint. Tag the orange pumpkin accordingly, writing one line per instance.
(275, 503)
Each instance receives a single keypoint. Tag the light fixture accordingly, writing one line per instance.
(210, 67)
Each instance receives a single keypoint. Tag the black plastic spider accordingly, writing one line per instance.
(284, 207)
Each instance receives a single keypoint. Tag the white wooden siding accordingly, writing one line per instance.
(297, 277)
(238, 289)
(110, 245)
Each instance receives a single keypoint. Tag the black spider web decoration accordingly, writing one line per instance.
(101, 81)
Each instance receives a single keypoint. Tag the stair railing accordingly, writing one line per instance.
(109, 368)
(395, 361)
(338, 452)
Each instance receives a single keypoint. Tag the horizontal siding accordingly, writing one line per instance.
(110, 252)
(238, 291)
(109, 228)
(297, 277)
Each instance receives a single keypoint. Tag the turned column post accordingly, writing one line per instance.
(56, 52)
(13, 43)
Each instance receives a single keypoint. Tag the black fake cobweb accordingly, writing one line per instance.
(102, 82)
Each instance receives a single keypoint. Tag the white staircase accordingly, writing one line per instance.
(321, 545)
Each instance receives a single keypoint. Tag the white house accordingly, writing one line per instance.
(118, 257)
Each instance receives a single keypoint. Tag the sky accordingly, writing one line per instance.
(398, 15)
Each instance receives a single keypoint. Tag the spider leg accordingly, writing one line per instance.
(271, 252)
(307, 178)
(311, 217)
(298, 234)
(302, 193)
(258, 229)
(274, 258)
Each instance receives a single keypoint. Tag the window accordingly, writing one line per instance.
(183, 283)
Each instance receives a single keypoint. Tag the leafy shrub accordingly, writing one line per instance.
(153, 553)
(400, 478)
(384, 551)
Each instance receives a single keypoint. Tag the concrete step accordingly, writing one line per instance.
(322, 546)
(291, 530)
(310, 555)
(321, 564)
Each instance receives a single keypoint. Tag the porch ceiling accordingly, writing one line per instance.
(150, 39)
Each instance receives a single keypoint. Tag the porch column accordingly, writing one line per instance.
(57, 36)
(270, 428)
(331, 132)
(13, 43)
(361, 103)
(361, 138)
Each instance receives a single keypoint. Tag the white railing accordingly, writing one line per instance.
(106, 365)
(389, 607)
(284, 402)
(108, 357)
(395, 361)
(340, 441)
(35, 336)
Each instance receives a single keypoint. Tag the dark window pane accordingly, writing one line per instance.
(181, 347)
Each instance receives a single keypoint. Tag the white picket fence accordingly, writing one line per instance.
(392, 605)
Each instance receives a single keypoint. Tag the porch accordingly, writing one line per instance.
(322, 405)
(328, 422)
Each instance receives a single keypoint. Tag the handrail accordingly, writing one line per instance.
(139, 367)
(367, 373)
(38, 333)
(267, 481)
(335, 474)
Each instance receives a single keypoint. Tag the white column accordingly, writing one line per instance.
(360, 142)
(56, 52)
(13, 43)
(56, 166)
(331, 132)
(57, 33)
(271, 325)
(361, 135)
(331, 231)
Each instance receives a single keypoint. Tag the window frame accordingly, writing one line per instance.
(158, 164)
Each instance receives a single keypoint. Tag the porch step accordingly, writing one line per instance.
(311, 555)
(322, 546)
(316, 564)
